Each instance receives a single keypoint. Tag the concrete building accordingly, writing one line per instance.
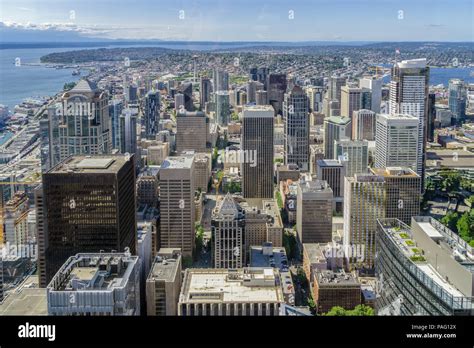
(96, 284)
(257, 142)
(409, 89)
(192, 131)
(15, 220)
(397, 141)
(374, 84)
(436, 264)
(314, 212)
(84, 126)
(88, 206)
(353, 99)
(333, 172)
(335, 128)
(338, 288)
(227, 228)
(268, 256)
(296, 128)
(164, 283)
(363, 125)
(403, 192)
(202, 171)
(147, 186)
(177, 209)
(364, 203)
(205, 89)
(355, 154)
(233, 292)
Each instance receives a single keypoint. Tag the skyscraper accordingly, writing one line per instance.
(364, 203)
(192, 129)
(186, 89)
(335, 128)
(397, 141)
(228, 234)
(205, 89)
(355, 153)
(314, 212)
(220, 79)
(296, 128)
(128, 132)
(222, 108)
(363, 125)
(115, 110)
(409, 95)
(85, 123)
(177, 209)
(457, 99)
(353, 99)
(152, 114)
(89, 206)
(257, 147)
(403, 188)
(276, 90)
(374, 84)
(333, 172)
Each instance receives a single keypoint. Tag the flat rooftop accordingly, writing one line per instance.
(91, 164)
(391, 172)
(165, 268)
(315, 252)
(27, 299)
(174, 162)
(451, 158)
(329, 163)
(222, 285)
(328, 277)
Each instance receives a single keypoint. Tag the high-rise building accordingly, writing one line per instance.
(403, 192)
(177, 209)
(261, 97)
(128, 132)
(15, 220)
(316, 96)
(397, 141)
(374, 84)
(192, 131)
(296, 128)
(152, 114)
(220, 80)
(425, 269)
(115, 111)
(186, 89)
(363, 125)
(222, 108)
(202, 171)
(252, 88)
(85, 125)
(164, 283)
(409, 90)
(334, 88)
(333, 172)
(364, 203)
(457, 99)
(205, 90)
(89, 206)
(257, 147)
(179, 102)
(335, 128)
(355, 154)
(314, 212)
(353, 99)
(96, 284)
(227, 227)
(231, 292)
(276, 90)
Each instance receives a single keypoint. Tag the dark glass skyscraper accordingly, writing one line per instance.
(89, 206)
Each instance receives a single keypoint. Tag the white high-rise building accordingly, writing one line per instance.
(355, 153)
(374, 84)
(409, 95)
(397, 141)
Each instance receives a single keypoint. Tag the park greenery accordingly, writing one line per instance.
(360, 310)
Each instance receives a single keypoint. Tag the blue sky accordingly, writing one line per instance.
(238, 20)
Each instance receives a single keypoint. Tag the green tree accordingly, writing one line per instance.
(359, 310)
(465, 226)
(450, 220)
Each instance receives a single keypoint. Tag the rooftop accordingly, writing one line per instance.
(165, 267)
(91, 164)
(28, 299)
(237, 285)
(338, 278)
(338, 120)
(178, 162)
(95, 271)
(394, 172)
